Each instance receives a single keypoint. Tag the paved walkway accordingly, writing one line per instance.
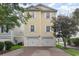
(43, 51)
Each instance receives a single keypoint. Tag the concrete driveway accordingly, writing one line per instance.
(42, 51)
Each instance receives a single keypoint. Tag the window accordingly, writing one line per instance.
(33, 15)
(47, 28)
(32, 28)
(47, 15)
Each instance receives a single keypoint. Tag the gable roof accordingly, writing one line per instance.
(32, 8)
(40, 7)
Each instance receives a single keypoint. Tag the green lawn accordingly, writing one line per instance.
(16, 47)
(71, 51)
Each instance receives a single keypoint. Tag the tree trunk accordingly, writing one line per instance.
(64, 40)
(2, 29)
(65, 44)
(58, 41)
(7, 29)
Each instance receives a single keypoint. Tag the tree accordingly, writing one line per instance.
(11, 15)
(75, 16)
(65, 27)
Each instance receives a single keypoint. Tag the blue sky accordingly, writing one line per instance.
(63, 8)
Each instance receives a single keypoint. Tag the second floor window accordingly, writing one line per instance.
(47, 15)
(32, 28)
(47, 28)
(33, 15)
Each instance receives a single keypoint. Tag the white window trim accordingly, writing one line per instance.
(34, 28)
(46, 28)
(46, 15)
(34, 14)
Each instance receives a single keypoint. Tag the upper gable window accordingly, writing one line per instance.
(47, 15)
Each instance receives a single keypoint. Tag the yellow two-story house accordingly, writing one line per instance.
(37, 31)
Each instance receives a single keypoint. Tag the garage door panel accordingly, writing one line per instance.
(32, 41)
(47, 42)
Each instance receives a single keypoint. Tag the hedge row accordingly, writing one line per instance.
(6, 44)
(75, 41)
(1, 46)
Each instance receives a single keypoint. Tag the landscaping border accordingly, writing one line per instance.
(13, 53)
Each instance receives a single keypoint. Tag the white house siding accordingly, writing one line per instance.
(18, 34)
(6, 37)
(18, 39)
(15, 33)
(3, 40)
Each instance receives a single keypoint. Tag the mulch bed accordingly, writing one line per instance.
(2, 52)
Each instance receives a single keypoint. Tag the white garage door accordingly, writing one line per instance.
(32, 41)
(35, 41)
(48, 41)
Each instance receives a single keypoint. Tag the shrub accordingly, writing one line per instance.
(8, 45)
(75, 41)
(59, 46)
(20, 43)
(1, 46)
(69, 41)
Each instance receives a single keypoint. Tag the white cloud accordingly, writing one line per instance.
(66, 10)
(27, 5)
(52, 4)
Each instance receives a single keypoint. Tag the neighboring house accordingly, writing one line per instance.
(37, 31)
(13, 35)
(5, 36)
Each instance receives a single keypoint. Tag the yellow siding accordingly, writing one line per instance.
(40, 23)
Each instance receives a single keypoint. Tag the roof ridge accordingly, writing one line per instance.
(36, 7)
(45, 6)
